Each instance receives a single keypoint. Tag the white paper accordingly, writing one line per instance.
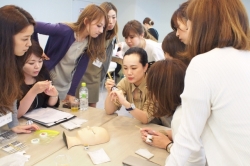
(48, 115)
(99, 156)
(16, 159)
(4, 119)
(73, 124)
(144, 153)
(78, 121)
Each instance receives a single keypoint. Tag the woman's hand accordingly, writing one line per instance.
(109, 84)
(45, 57)
(25, 128)
(69, 99)
(158, 139)
(41, 86)
(118, 95)
(51, 91)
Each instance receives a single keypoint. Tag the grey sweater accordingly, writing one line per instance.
(14, 121)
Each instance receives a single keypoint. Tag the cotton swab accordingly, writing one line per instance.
(109, 76)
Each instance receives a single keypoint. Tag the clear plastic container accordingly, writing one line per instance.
(83, 97)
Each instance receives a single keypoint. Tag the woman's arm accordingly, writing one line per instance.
(25, 128)
(50, 29)
(110, 107)
(53, 100)
(79, 72)
(26, 102)
(53, 96)
(196, 111)
(159, 139)
(14, 121)
(29, 97)
(140, 115)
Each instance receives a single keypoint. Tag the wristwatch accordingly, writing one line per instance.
(131, 108)
(168, 147)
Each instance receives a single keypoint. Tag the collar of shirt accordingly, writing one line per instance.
(142, 86)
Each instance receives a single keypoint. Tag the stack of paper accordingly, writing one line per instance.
(48, 116)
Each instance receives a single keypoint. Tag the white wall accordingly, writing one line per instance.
(160, 11)
(52, 11)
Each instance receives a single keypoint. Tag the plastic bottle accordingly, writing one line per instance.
(83, 96)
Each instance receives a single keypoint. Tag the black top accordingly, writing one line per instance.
(154, 33)
(41, 100)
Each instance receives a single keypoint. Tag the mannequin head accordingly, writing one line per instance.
(87, 136)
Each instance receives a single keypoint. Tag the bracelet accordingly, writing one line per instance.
(169, 145)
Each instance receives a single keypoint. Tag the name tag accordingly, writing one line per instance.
(5, 119)
(97, 63)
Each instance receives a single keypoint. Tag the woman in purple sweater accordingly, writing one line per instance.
(70, 46)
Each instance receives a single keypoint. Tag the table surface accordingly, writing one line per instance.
(38, 152)
(124, 141)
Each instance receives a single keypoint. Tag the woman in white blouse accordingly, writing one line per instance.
(133, 32)
(215, 101)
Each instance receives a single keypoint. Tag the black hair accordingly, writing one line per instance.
(139, 51)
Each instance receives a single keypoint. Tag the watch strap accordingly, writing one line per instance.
(131, 108)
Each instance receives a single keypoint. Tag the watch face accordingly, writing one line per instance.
(132, 106)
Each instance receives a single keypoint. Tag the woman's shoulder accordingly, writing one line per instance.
(154, 47)
(53, 28)
(151, 43)
(124, 84)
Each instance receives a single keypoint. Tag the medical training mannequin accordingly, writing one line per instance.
(87, 136)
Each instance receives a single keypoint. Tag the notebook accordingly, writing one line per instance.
(48, 116)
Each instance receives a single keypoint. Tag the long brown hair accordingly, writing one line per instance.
(217, 24)
(147, 35)
(13, 20)
(172, 45)
(180, 14)
(107, 6)
(96, 46)
(165, 83)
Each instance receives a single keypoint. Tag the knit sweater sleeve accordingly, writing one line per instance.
(50, 29)
(196, 111)
(79, 72)
(14, 121)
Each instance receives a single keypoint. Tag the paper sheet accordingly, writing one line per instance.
(99, 156)
(48, 115)
(144, 153)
